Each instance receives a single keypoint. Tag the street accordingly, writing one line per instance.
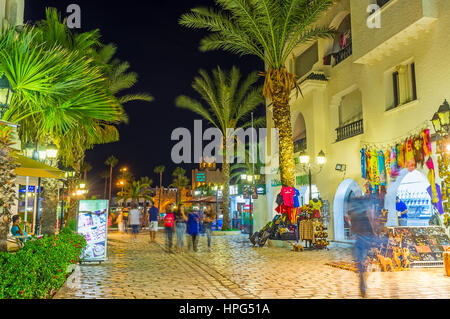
(234, 270)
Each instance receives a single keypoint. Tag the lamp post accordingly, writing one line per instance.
(306, 164)
(6, 94)
(441, 119)
(250, 180)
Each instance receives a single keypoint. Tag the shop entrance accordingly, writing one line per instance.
(412, 189)
(346, 190)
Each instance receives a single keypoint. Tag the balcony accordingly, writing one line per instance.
(343, 54)
(300, 145)
(381, 3)
(350, 130)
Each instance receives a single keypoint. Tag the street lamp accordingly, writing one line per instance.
(52, 151)
(42, 151)
(5, 95)
(305, 161)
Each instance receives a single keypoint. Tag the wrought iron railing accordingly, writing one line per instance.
(350, 130)
(300, 145)
(343, 54)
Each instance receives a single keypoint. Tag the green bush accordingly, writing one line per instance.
(39, 269)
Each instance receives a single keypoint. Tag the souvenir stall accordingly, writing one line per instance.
(304, 226)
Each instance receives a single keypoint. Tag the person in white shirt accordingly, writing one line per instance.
(135, 220)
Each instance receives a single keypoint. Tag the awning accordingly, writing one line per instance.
(32, 168)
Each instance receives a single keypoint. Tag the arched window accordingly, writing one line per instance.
(299, 134)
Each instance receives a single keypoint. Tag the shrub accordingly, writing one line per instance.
(39, 269)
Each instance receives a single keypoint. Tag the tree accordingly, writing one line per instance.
(160, 170)
(180, 182)
(7, 185)
(105, 175)
(86, 167)
(229, 100)
(135, 190)
(111, 162)
(146, 181)
(270, 30)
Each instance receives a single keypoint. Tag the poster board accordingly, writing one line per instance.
(93, 225)
(426, 244)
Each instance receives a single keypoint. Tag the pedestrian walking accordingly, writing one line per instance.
(153, 215)
(125, 219)
(208, 219)
(180, 223)
(169, 223)
(120, 224)
(134, 219)
(193, 227)
(360, 213)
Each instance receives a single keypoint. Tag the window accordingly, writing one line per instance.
(305, 61)
(401, 85)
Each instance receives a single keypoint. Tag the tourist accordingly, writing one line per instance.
(180, 223)
(153, 214)
(193, 227)
(208, 219)
(402, 211)
(134, 220)
(125, 219)
(359, 211)
(16, 230)
(120, 224)
(169, 223)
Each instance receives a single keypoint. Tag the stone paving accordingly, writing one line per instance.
(235, 269)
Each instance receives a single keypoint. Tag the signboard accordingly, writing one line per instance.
(93, 225)
(261, 189)
(201, 177)
(31, 189)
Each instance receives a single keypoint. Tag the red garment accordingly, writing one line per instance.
(169, 220)
(283, 209)
(410, 162)
(316, 213)
(288, 196)
(426, 143)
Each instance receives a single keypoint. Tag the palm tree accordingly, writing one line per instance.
(8, 189)
(180, 181)
(86, 167)
(146, 181)
(270, 30)
(160, 170)
(135, 190)
(229, 102)
(105, 175)
(111, 162)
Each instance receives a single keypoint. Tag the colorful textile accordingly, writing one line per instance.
(432, 180)
(439, 206)
(419, 157)
(394, 171)
(410, 162)
(288, 196)
(375, 173)
(381, 168)
(296, 199)
(306, 230)
(426, 143)
(363, 164)
(400, 156)
(387, 162)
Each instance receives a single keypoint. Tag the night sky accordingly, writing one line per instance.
(166, 57)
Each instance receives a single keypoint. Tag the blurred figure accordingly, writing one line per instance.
(135, 220)
(360, 214)
(193, 225)
(125, 219)
(16, 230)
(180, 224)
(153, 216)
(402, 211)
(208, 219)
(169, 223)
(119, 222)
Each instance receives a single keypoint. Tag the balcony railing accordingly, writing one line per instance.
(382, 2)
(343, 54)
(350, 130)
(300, 145)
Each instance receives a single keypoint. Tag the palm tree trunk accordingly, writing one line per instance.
(49, 206)
(110, 184)
(282, 119)
(226, 225)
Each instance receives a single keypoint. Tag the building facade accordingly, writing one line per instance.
(379, 81)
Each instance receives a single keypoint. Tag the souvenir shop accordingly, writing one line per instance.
(402, 181)
(304, 225)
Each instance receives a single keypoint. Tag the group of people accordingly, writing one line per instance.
(176, 220)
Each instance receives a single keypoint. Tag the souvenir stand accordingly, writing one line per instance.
(303, 225)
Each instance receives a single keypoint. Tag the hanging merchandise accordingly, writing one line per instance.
(394, 171)
(419, 157)
(288, 196)
(316, 205)
(296, 198)
(410, 162)
(387, 162)
(426, 142)
(381, 168)
(400, 156)
(438, 205)
(363, 164)
(431, 179)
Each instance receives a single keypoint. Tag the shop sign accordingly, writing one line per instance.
(93, 225)
(201, 177)
(31, 189)
(276, 183)
(302, 180)
(261, 189)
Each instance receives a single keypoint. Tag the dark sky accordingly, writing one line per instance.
(166, 57)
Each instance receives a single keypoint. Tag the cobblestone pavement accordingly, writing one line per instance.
(234, 269)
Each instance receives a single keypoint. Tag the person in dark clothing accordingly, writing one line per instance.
(193, 226)
(359, 212)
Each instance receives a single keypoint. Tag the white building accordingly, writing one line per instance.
(352, 102)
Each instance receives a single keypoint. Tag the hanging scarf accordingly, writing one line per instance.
(426, 142)
(363, 164)
(394, 165)
(418, 151)
(432, 180)
(381, 168)
(409, 156)
(387, 162)
(400, 156)
(375, 178)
